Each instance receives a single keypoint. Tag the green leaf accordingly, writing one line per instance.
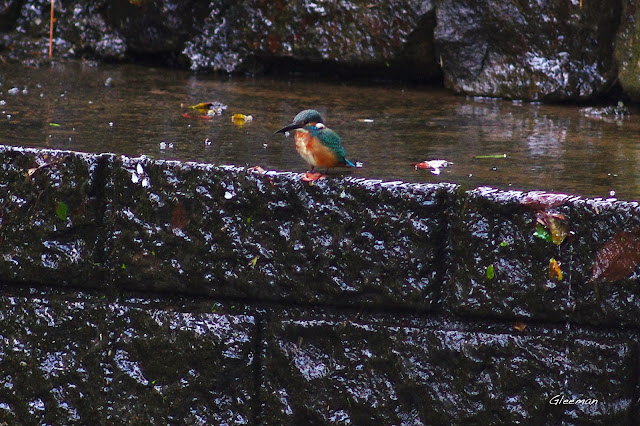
(55, 125)
(543, 233)
(61, 210)
(480, 157)
(490, 272)
(504, 244)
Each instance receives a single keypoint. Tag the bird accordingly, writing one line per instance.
(317, 144)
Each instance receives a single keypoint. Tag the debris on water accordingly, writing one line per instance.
(434, 165)
(612, 111)
(483, 157)
(13, 91)
(108, 82)
(365, 120)
(209, 108)
(240, 119)
(166, 145)
(207, 142)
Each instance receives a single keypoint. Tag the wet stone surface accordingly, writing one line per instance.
(74, 358)
(497, 230)
(49, 208)
(347, 369)
(232, 232)
(342, 301)
(532, 51)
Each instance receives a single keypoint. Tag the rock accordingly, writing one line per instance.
(542, 50)
(242, 36)
(628, 50)
(392, 37)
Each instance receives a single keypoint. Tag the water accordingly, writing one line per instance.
(131, 110)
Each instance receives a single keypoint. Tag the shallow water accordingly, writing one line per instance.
(131, 110)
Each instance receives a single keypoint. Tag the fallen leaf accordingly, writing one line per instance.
(482, 157)
(557, 225)
(618, 258)
(196, 116)
(490, 272)
(253, 262)
(434, 165)
(211, 108)
(541, 200)
(542, 233)
(555, 273)
(520, 326)
(240, 119)
(179, 218)
(61, 210)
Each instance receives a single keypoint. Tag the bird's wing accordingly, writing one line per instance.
(331, 140)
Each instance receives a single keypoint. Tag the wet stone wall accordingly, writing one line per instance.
(135, 291)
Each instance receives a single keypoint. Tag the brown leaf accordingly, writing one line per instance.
(542, 200)
(618, 258)
(557, 225)
(179, 216)
(520, 326)
(555, 273)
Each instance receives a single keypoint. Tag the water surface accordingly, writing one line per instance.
(128, 109)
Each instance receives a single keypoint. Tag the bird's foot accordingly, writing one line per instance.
(311, 176)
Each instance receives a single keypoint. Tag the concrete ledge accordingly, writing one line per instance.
(342, 301)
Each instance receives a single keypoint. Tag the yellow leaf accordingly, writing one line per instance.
(555, 273)
(203, 106)
(253, 262)
(240, 119)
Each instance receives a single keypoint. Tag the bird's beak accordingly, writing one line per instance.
(291, 126)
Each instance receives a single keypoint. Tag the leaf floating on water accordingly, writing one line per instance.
(240, 119)
(206, 107)
(490, 272)
(555, 273)
(61, 210)
(434, 165)
(55, 125)
(520, 326)
(618, 258)
(483, 157)
(253, 262)
(196, 116)
(557, 225)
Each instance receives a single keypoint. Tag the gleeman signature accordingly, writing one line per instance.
(562, 400)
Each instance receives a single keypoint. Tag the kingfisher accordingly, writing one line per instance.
(316, 143)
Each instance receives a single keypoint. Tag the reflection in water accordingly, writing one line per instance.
(132, 110)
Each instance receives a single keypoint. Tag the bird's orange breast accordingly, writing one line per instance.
(313, 151)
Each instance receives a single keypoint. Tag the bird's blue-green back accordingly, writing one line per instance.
(331, 140)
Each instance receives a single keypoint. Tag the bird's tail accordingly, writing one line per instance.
(349, 163)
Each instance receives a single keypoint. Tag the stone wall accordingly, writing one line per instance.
(137, 291)
(555, 50)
